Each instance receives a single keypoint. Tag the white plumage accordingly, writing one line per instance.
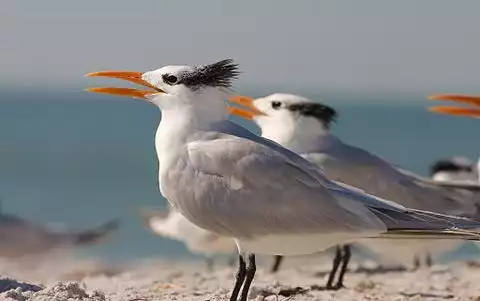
(455, 170)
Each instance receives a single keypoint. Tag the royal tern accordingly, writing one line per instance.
(227, 180)
(21, 239)
(473, 110)
(303, 126)
(455, 169)
(173, 225)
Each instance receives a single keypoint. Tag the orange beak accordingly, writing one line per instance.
(131, 76)
(247, 102)
(468, 99)
(458, 111)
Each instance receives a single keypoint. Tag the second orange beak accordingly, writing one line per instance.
(459, 111)
(246, 102)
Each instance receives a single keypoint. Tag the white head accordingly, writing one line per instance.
(456, 169)
(201, 88)
(288, 118)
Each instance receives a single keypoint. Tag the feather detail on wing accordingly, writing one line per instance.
(290, 194)
(359, 168)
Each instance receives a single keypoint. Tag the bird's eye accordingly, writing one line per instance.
(170, 79)
(276, 105)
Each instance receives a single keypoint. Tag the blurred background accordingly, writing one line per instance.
(78, 159)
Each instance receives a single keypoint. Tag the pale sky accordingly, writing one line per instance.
(409, 45)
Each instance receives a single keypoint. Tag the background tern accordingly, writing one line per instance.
(227, 180)
(455, 169)
(22, 239)
(472, 110)
(303, 126)
(173, 225)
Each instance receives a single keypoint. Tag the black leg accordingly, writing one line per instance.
(428, 260)
(209, 262)
(336, 263)
(231, 261)
(346, 259)
(251, 268)
(240, 277)
(276, 264)
(416, 262)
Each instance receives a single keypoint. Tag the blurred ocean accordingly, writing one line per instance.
(78, 159)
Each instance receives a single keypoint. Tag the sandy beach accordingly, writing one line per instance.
(186, 280)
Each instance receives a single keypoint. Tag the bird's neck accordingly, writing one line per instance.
(179, 126)
(306, 137)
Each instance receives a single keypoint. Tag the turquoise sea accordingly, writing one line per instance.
(78, 159)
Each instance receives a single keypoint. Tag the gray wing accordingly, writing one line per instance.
(274, 194)
(375, 176)
(461, 186)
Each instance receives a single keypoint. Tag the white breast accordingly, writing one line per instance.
(297, 244)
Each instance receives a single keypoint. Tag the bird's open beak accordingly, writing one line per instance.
(459, 111)
(250, 112)
(131, 76)
(468, 99)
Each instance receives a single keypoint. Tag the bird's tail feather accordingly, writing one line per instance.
(416, 220)
(430, 234)
(417, 224)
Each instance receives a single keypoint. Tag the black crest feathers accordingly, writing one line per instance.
(219, 74)
(449, 166)
(322, 112)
